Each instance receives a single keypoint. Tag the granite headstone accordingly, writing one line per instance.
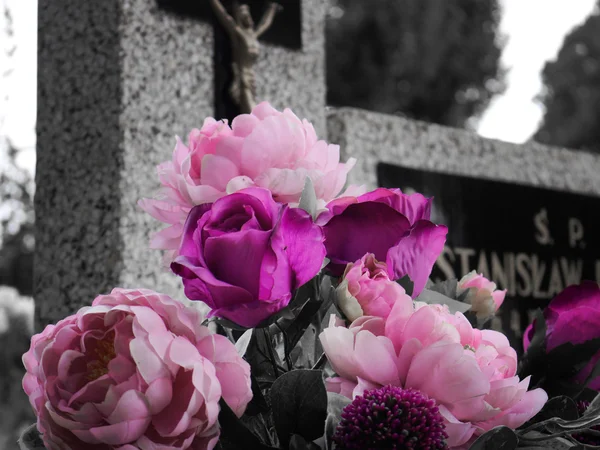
(118, 79)
(523, 215)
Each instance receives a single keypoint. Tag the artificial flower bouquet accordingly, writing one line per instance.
(319, 326)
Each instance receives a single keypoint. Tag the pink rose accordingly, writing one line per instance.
(482, 294)
(471, 374)
(245, 255)
(366, 289)
(268, 148)
(394, 226)
(134, 370)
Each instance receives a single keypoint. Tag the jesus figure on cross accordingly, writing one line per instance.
(245, 48)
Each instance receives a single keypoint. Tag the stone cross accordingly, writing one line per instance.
(117, 80)
(285, 32)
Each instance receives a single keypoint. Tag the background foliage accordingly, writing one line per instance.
(16, 263)
(571, 92)
(431, 60)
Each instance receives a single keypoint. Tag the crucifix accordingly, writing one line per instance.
(245, 48)
(230, 17)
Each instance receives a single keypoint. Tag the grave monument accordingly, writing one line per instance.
(523, 215)
(119, 78)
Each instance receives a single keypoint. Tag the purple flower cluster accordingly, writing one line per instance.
(391, 418)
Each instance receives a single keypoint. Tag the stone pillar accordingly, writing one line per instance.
(117, 80)
(375, 138)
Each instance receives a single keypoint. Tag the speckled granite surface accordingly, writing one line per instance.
(296, 79)
(374, 138)
(117, 80)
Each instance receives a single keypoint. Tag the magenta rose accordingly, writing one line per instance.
(395, 227)
(245, 254)
(572, 316)
(136, 370)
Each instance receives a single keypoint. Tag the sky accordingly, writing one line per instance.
(18, 111)
(535, 30)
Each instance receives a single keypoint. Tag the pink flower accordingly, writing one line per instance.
(366, 289)
(483, 296)
(268, 148)
(573, 316)
(471, 374)
(246, 254)
(394, 226)
(135, 370)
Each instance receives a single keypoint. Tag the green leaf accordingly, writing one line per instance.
(562, 407)
(299, 404)
(593, 374)
(568, 388)
(588, 420)
(539, 336)
(534, 361)
(499, 438)
(593, 409)
(284, 314)
(241, 345)
(335, 405)
(432, 297)
(407, 284)
(534, 440)
(258, 404)
(586, 395)
(234, 434)
(226, 323)
(297, 442)
(262, 427)
(567, 359)
(265, 362)
(311, 312)
(449, 288)
(308, 198)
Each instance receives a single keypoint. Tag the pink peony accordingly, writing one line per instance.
(135, 370)
(483, 296)
(366, 289)
(268, 148)
(471, 374)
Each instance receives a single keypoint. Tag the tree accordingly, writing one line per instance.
(571, 92)
(431, 60)
(16, 188)
(16, 222)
